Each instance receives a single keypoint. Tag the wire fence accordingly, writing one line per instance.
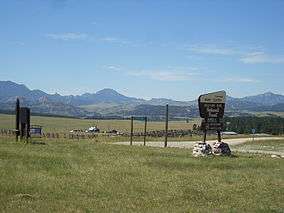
(83, 135)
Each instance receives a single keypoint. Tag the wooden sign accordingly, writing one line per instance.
(205, 125)
(212, 105)
(24, 115)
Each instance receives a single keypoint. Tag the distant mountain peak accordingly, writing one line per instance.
(109, 100)
(268, 98)
(12, 84)
(163, 99)
(269, 94)
(107, 91)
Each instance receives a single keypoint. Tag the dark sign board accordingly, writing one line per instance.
(212, 125)
(24, 115)
(212, 105)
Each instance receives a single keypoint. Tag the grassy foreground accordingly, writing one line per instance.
(269, 145)
(84, 176)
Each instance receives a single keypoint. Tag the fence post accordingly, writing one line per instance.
(145, 131)
(17, 119)
(131, 131)
(167, 125)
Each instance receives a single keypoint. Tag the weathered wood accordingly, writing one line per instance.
(166, 125)
(145, 131)
(131, 131)
(17, 119)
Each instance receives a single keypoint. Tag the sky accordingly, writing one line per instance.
(175, 49)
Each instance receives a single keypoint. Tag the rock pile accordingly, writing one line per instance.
(221, 148)
(201, 150)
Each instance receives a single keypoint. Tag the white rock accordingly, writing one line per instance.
(201, 150)
(221, 148)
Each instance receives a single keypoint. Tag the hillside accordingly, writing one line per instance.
(108, 102)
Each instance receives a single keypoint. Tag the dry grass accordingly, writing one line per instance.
(53, 124)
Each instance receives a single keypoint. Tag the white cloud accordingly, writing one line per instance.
(112, 67)
(244, 54)
(71, 36)
(164, 75)
(67, 36)
(239, 80)
(115, 40)
(261, 57)
(211, 50)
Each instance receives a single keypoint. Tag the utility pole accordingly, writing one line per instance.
(131, 131)
(167, 125)
(17, 119)
(145, 131)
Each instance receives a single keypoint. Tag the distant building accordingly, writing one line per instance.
(36, 130)
(229, 133)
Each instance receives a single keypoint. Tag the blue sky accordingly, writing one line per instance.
(162, 48)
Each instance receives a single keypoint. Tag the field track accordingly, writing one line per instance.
(189, 144)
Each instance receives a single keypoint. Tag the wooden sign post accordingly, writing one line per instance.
(25, 122)
(131, 131)
(166, 126)
(145, 130)
(211, 109)
(17, 111)
(23, 119)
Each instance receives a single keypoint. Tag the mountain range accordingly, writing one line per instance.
(108, 102)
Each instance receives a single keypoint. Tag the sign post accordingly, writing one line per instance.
(145, 130)
(131, 131)
(23, 120)
(166, 126)
(17, 119)
(211, 109)
(25, 123)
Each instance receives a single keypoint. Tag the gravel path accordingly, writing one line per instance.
(189, 144)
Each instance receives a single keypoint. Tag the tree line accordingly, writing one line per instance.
(244, 125)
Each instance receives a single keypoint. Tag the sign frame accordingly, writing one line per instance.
(212, 105)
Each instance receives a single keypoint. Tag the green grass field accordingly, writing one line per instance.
(273, 145)
(84, 176)
(55, 124)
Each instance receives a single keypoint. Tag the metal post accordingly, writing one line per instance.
(28, 125)
(205, 130)
(145, 131)
(219, 132)
(219, 136)
(167, 125)
(204, 137)
(17, 119)
(131, 131)
(22, 131)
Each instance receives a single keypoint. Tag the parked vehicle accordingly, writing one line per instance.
(93, 129)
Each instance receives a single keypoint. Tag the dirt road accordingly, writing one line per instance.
(189, 144)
